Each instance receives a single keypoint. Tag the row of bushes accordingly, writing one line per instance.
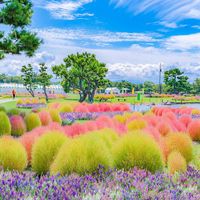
(85, 107)
(54, 152)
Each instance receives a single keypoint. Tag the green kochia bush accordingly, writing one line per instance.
(32, 121)
(2, 109)
(45, 149)
(82, 155)
(55, 116)
(5, 127)
(12, 154)
(137, 150)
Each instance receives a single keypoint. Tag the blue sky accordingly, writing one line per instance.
(131, 36)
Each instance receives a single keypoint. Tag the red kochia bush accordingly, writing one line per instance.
(185, 119)
(18, 126)
(194, 130)
(164, 128)
(45, 117)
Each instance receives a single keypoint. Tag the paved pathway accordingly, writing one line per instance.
(6, 100)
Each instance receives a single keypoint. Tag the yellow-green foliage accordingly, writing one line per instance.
(32, 121)
(5, 127)
(120, 118)
(136, 124)
(176, 162)
(109, 136)
(55, 116)
(65, 108)
(12, 154)
(137, 149)
(180, 142)
(82, 155)
(45, 150)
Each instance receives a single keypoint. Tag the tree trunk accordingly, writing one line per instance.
(83, 96)
(91, 96)
(45, 93)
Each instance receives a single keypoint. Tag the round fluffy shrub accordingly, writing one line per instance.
(55, 116)
(45, 150)
(2, 109)
(66, 108)
(136, 124)
(109, 136)
(45, 117)
(32, 121)
(137, 149)
(176, 162)
(194, 130)
(180, 142)
(18, 126)
(81, 155)
(12, 154)
(5, 127)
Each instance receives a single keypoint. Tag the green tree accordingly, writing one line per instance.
(176, 81)
(17, 15)
(44, 79)
(196, 86)
(83, 72)
(29, 78)
(149, 87)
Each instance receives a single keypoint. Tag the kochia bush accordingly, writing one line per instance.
(5, 127)
(32, 121)
(55, 116)
(194, 130)
(176, 162)
(81, 155)
(45, 117)
(137, 149)
(136, 124)
(12, 154)
(180, 142)
(18, 125)
(45, 149)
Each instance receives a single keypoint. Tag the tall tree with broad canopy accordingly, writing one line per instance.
(44, 79)
(16, 15)
(83, 72)
(29, 78)
(149, 87)
(176, 81)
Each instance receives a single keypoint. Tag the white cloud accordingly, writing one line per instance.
(183, 42)
(136, 63)
(97, 38)
(66, 9)
(169, 10)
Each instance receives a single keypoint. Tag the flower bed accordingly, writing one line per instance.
(73, 116)
(134, 184)
(31, 103)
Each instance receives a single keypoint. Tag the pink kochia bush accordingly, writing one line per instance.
(45, 117)
(18, 126)
(105, 107)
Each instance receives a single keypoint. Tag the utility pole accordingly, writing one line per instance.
(160, 79)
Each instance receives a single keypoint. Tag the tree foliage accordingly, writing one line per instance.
(176, 81)
(17, 15)
(196, 86)
(44, 79)
(149, 87)
(29, 78)
(82, 72)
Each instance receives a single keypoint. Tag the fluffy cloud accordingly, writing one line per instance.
(183, 42)
(135, 63)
